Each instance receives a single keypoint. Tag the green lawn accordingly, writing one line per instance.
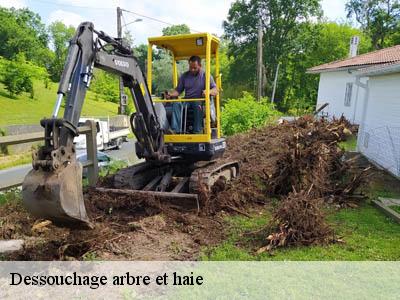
(9, 161)
(24, 110)
(367, 233)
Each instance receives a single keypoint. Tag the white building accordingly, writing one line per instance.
(366, 90)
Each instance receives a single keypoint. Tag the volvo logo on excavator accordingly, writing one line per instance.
(121, 63)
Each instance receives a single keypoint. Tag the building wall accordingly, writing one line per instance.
(379, 135)
(332, 89)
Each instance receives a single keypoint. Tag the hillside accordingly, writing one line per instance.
(24, 110)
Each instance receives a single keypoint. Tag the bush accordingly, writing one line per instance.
(17, 75)
(243, 114)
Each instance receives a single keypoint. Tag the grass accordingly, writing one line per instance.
(367, 233)
(9, 161)
(10, 195)
(350, 144)
(24, 110)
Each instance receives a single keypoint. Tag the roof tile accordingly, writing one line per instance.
(378, 57)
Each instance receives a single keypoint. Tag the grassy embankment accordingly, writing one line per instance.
(24, 110)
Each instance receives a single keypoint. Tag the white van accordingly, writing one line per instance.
(108, 137)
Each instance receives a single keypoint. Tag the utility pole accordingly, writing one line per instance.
(122, 96)
(260, 60)
(275, 82)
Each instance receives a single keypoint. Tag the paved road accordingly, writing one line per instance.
(15, 175)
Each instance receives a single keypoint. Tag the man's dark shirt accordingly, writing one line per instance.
(194, 85)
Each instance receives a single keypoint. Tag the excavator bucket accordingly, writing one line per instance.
(56, 195)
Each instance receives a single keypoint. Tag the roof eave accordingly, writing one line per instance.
(352, 68)
(391, 69)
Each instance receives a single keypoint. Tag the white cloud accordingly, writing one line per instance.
(200, 15)
(204, 16)
(66, 17)
(13, 3)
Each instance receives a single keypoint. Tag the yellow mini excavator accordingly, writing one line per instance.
(175, 164)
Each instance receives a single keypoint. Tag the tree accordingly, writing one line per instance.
(140, 53)
(379, 19)
(176, 29)
(281, 23)
(106, 85)
(162, 61)
(21, 31)
(60, 37)
(317, 44)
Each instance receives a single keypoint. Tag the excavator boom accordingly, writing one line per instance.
(53, 188)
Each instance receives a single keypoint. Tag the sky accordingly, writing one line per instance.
(200, 15)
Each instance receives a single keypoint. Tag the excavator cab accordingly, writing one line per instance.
(209, 144)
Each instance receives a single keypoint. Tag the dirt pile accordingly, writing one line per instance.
(276, 161)
(299, 156)
(124, 229)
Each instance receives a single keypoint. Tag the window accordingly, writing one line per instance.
(349, 91)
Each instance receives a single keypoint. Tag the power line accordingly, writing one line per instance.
(154, 19)
(108, 8)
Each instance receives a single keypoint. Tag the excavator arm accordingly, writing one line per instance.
(53, 189)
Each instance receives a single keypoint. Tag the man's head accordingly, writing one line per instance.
(194, 65)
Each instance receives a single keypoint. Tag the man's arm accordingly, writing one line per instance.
(213, 88)
(178, 90)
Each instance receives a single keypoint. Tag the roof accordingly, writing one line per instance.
(185, 45)
(376, 58)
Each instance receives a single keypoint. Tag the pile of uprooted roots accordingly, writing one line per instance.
(302, 164)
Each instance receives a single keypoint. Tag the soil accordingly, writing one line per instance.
(121, 232)
(275, 162)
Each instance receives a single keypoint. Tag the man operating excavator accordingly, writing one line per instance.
(193, 83)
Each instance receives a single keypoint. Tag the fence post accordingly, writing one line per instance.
(91, 148)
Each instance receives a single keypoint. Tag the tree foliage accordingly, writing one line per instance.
(318, 43)
(18, 75)
(106, 85)
(281, 23)
(379, 19)
(60, 36)
(294, 37)
(21, 31)
(176, 29)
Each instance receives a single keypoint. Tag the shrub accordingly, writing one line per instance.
(106, 86)
(18, 74)
(240, 115)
